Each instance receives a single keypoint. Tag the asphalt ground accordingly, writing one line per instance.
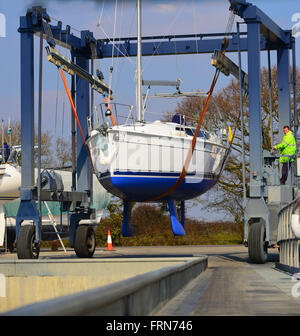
(233, 286)
(230, 286)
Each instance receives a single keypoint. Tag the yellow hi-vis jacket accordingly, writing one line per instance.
(287, 147)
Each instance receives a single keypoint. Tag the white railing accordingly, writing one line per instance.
(289, 245)
(122, 113)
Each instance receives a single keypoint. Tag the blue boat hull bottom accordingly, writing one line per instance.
(140, 188)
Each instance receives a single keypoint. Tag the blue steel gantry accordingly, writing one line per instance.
(266, 196)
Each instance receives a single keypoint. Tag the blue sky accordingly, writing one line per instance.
(159, 18)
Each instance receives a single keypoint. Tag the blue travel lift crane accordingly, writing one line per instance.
(266, 195)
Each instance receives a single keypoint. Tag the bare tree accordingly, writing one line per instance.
(13, 138)
(228, 193)
(63, 152)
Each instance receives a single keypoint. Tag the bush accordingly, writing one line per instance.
(153, 228)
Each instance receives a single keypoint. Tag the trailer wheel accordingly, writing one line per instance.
(26, 249)
(257, 248)
(85, 241)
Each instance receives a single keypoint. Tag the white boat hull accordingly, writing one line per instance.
(138, 164)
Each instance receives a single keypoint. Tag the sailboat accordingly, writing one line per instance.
(139, 161)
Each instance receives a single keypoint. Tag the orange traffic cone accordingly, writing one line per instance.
(109, 242)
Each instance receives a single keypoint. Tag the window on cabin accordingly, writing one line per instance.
(190, 132)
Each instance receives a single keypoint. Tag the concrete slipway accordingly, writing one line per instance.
(102, 286)
(178, 280)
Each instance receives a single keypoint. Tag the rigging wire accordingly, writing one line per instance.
(98, 25)
(75, 113)
(113, 49)
(170, 26)
(56, 108)
(59, 93)
(176, 60)
(193, 142)
(101, 13)
(118, 67)
(63, 115)
(119, 50)
(230, 23)
(195, 31)
(192, 146)
(71, 27)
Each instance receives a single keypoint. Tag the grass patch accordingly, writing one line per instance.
(153, 228)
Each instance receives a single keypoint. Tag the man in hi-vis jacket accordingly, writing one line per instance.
(288, 148)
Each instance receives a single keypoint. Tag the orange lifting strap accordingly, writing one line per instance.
(192, 146)
(106, 99)
(193, 143)
(74, 111)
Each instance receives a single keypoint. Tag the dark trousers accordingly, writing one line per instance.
(284, 172)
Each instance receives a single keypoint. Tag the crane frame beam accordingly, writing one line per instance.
(262, 34)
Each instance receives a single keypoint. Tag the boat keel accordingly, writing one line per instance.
(127, 227)
(177, 227)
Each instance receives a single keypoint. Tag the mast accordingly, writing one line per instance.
(139, 103)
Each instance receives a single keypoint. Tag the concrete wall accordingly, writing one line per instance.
(139, 295)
